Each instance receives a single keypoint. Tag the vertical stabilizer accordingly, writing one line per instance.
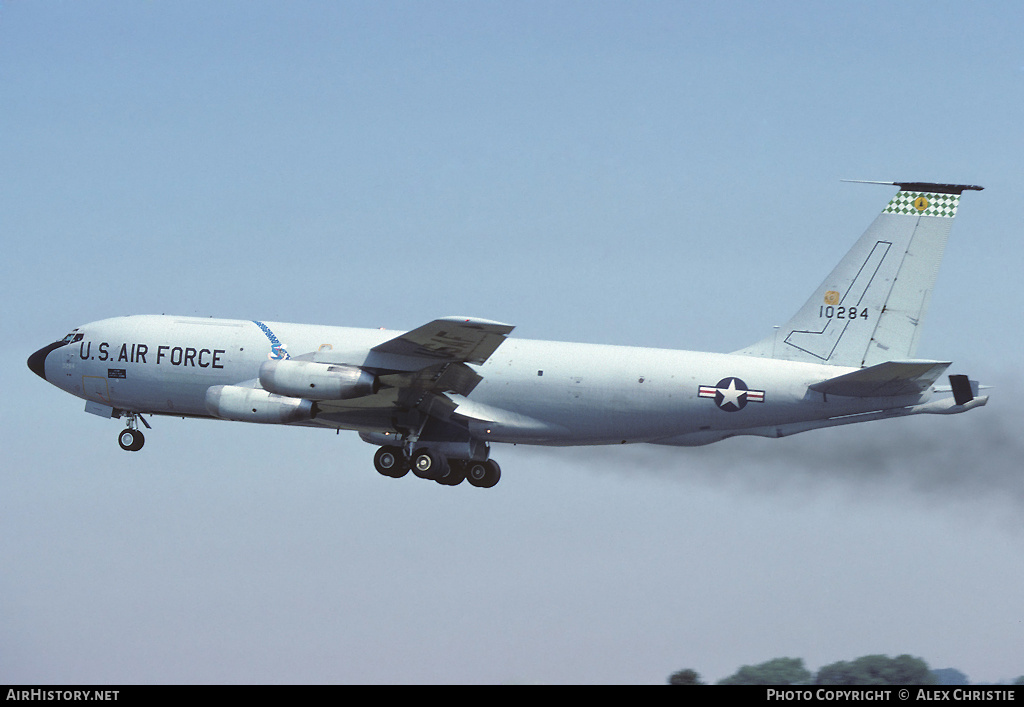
(870, 308)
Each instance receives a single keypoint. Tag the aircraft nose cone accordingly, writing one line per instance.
(37, 361)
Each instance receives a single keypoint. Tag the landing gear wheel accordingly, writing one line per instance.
(455, 475)
(483, 474)
(428, 464)
(390, 461)
(131, 440)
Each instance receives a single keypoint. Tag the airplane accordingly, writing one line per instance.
(435, 399)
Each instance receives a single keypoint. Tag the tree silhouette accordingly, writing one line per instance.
(685, 677)
(877, 670)
(779, 671)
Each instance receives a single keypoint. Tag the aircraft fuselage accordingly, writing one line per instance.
(539, 392)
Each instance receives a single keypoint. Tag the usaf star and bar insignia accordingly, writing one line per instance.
(731, 394)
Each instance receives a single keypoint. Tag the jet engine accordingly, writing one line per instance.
(234, 402)
(319, 381)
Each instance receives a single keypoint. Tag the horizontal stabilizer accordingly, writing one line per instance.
(891, 378)
(930, 187)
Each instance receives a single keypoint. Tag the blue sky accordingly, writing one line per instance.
(657, 174)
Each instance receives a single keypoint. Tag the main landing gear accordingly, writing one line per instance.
(131, 438)
(428, 464)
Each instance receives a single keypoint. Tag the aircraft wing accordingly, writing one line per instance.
(418, 371)
(453, 339)
(887, 379)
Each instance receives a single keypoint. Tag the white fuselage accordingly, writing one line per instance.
(539, 392)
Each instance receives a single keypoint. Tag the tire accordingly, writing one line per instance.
(455, 475)
(483, 474)
(428, 464)
(391, 462)
(131, 440)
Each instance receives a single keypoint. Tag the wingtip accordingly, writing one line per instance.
(475, 320)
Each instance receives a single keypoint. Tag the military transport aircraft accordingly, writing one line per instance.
(434, 399)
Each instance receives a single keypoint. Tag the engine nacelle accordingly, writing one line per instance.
(234, 402)
(319, 381)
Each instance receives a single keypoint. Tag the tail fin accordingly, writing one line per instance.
(870, 309)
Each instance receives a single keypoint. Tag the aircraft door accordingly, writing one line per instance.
(95, 388)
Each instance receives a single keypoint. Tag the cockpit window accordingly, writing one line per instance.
(72, 337)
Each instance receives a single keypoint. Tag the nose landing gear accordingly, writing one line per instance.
(131, 438)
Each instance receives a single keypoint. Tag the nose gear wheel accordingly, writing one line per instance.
(131, 440)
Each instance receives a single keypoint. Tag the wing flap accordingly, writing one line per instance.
(888, 379)
(446, 377)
